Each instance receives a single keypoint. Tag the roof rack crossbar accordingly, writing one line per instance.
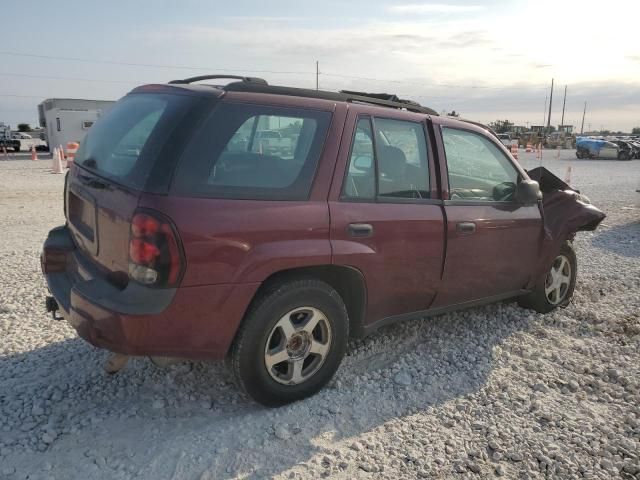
(379, 99)
(402, 104)
(214, 77)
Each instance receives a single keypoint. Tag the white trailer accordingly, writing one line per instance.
(68, 119)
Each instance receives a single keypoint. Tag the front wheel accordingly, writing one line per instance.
(291, 342)
(556, 289)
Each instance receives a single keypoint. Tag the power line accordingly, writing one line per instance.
(275, 72)
(21, 96)
(428, 84)
(149, 65)
(24, 75)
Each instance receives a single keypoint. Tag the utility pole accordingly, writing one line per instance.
(550, 104)
(563, 104)
(583, 114)
(317, 75)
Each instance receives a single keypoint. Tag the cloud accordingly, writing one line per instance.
(435, 8)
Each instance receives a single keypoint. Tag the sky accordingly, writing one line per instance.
(488, 60)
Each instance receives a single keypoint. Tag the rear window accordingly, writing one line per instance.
(248, 151)
(124, 144)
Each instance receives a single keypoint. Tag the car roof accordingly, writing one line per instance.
(258, 85)
(254, 85)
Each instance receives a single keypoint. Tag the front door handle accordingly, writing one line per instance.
(466, 228)
(360, 230)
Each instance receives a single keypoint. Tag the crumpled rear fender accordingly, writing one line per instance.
(564, 211)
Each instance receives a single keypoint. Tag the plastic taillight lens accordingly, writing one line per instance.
(155, 256)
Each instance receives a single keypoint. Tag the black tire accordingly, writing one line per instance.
(247, 356)
(624, 156)
(579, 154)
(537, 300)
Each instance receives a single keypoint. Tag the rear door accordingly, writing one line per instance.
(386, 219)
(492, 240)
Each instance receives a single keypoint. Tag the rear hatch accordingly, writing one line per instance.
(130, 150)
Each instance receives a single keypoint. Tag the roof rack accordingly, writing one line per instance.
(259, 85)
(214, 77)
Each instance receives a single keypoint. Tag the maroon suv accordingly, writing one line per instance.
(270, 224)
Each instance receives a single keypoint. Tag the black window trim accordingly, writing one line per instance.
(475, 202)
(377, 198)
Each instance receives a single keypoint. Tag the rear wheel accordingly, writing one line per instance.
(624, 156)
(291, 342)
(556, 288)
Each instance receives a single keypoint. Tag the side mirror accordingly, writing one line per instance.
(528, 192)
(363, 162)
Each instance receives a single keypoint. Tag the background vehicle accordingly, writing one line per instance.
(596, 148)
(20, 136)
(274, 259)
(272, 142)
(505, 138)
(627, 150)
(6, 140)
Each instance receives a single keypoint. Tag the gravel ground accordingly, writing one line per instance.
(491, 391)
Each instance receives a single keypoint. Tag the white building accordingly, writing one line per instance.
(68, 119)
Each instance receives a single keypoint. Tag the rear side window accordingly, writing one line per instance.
(478, 169)
(114, 146)
(248, 151)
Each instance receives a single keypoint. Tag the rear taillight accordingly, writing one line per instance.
(155, 255)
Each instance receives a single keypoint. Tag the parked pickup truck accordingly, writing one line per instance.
(383, 211)
(9, 144)
(272, 142)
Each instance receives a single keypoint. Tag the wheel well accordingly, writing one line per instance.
(347, 281)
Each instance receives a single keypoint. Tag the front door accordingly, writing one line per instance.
(385, 218)
(492, 240)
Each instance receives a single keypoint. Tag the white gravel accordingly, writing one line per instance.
(490, 391)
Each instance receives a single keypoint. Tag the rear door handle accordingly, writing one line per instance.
(466, 228)
(360, 230)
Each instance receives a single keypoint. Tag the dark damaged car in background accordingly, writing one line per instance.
(267, 225)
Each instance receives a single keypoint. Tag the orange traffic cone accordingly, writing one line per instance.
(57, 161)
(53, 159)
(34, 155)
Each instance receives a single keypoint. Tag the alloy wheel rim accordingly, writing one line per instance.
(297, 345)
(556, 285)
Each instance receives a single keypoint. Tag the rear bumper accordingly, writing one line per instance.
(193, 322)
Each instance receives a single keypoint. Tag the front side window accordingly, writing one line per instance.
(400, 155)
(478, 169)
(251, 151)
